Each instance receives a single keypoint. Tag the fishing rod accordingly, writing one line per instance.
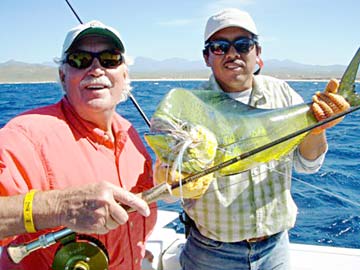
(162, 191)
(17, 253)
(262, 148)
(74, 12)
(132, 98)
(347, 82)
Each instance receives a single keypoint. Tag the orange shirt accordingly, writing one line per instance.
(53, 148)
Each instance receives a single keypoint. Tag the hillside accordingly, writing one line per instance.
(174, 68)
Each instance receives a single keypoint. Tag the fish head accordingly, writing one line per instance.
(189, 147)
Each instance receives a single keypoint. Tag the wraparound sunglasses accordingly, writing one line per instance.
(83, 59)
(221, 47)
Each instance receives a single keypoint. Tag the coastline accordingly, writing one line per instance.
(173, 79)
(39, 82)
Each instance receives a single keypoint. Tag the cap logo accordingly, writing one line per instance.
(94, 24)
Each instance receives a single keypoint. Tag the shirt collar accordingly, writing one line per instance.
(91, 131)
(257, 96)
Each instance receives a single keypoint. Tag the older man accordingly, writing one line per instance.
(75, 163)
(245, 225)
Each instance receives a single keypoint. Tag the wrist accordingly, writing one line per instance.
(46, 210)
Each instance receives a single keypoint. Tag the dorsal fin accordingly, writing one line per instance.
(347, 84)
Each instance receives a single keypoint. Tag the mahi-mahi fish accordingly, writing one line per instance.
(201, 128)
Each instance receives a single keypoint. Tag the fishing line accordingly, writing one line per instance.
(324, 191)
(298, 180)
(282, 160)
(178, 162)
(132, 98)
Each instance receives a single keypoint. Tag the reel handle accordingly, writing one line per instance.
(154, 194)
(19, 252)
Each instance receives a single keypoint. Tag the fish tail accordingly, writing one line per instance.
(347, 83)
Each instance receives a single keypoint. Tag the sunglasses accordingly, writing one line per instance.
(221, 47)
(83, 59)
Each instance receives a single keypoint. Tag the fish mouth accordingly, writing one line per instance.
(166, 128)
(178, 133)
(191, 147)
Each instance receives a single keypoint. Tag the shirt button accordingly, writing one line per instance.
(131, 224)
(136, 260)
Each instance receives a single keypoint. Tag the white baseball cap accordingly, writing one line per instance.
(227, 18)
(91, 28)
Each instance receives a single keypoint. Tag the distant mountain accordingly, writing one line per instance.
(14, 71)
(178, 68)
(169, 68)
(50, 64)
(177, 64)
(287, 69)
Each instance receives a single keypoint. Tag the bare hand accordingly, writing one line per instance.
(96, 208)
(327, 104)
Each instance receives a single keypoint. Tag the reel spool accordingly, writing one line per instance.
(80, 252)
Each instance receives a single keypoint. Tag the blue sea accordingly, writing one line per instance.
(328, 201)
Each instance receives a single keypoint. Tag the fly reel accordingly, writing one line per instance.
(80, 252)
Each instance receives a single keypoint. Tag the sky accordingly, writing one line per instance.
(319, 32)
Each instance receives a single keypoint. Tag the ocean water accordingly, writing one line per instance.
(328, 201)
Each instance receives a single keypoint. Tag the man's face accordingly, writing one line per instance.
(95, 89)
(232, 70)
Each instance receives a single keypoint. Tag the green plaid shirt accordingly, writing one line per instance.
(256, 202)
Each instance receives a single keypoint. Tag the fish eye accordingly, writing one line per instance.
(186, 127)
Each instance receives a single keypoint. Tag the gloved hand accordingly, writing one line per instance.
(192, 190)
(327, 104)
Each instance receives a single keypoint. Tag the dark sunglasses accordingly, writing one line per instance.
(83, 59)
(221, 47)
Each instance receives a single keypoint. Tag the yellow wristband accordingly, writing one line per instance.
(28, 212)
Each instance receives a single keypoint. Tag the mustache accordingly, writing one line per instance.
(236, 61)
(103, 80)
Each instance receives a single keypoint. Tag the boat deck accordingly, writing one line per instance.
(303, 257)
(309, 257)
